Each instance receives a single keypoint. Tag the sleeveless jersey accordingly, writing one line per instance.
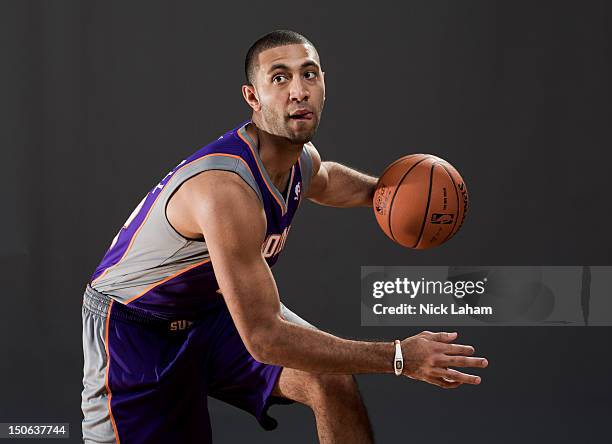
(150, 266)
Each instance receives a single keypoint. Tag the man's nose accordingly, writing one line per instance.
(298, 91)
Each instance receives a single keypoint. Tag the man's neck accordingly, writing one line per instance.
(276, 153)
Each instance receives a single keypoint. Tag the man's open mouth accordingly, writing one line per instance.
(301, 115)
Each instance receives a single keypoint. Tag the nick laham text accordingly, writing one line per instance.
(431, 309)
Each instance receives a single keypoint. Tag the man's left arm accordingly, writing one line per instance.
(337, 185)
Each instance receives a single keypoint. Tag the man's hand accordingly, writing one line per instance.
(428, 356)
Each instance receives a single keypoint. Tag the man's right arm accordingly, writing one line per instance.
(226, 211)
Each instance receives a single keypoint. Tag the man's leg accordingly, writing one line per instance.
(143, 383)
(335, 401)
(237, 379)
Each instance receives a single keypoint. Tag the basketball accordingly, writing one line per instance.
(420, 201)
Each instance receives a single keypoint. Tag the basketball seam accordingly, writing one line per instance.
(395, 194)
(451, 234)
(427, 207)
(399, 160)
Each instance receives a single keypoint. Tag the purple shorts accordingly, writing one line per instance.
(147, 380)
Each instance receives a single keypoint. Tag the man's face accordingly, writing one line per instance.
(291, 91)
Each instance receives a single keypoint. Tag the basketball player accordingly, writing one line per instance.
(184, 306)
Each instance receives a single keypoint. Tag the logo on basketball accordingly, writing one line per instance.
(381, 199)
(442, 218)
(464, 196)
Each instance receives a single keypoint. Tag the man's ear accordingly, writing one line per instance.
(250, 96)
(323, 77)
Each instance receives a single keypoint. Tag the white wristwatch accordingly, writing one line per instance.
(398, 361)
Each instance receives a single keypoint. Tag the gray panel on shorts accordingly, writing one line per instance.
(97, 427)
(158, 251)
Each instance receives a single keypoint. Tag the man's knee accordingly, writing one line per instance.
(338, 387)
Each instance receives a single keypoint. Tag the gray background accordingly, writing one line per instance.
(99, 99)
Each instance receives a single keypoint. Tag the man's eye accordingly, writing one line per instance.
(310, 75)
(279, 79)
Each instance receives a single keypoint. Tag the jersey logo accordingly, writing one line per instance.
(274, 243)
(298, 188)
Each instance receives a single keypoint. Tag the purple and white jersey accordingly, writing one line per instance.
(150, 266)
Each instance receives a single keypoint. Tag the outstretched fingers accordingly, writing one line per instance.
(462, 361)
(435, 353)
(452, 375)
(457, 349)
(440, 336)
(444, 383)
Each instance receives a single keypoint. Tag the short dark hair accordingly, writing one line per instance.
(280, 37)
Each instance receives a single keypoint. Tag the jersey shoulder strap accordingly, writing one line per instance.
(305, 161)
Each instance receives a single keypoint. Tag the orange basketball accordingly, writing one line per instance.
(420, 201)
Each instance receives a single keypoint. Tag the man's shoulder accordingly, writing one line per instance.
(228, 144)
(213, 196)
(218, 189)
